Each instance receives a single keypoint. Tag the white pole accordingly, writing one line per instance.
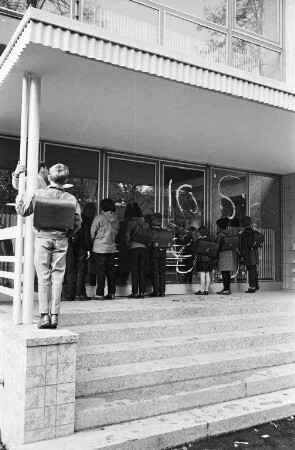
(21, 188)
(32, 182)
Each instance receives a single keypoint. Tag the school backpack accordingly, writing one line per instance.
(257, 239)
(163, 238)
(207, 248)
(54, 213)
(142, 234)
(230, 243)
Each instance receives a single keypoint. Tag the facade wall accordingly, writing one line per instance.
(289, 231)
(289, 42)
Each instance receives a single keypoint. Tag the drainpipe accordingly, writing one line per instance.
(32, 183)
(17, 313)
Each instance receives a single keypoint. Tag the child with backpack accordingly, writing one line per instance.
(163, 239)
(138, 237)
(56, 218)
(249, 253)
(104, 230)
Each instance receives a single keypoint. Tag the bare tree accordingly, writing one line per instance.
(61, 7)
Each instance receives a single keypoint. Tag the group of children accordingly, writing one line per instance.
(57, 220)
(246, 252)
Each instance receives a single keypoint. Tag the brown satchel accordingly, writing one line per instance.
(54, 213)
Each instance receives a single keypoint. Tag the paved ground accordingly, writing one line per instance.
(278, 435)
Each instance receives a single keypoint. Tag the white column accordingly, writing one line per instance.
(20, 220)
(32, 182)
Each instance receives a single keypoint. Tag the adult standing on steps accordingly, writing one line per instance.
(226, 259)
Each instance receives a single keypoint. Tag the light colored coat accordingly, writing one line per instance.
(227, 259)
(104, 230)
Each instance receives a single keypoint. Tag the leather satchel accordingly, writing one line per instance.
(142, 234)
(207, 248)
(54, 213)
(163, 238)
(230, 243)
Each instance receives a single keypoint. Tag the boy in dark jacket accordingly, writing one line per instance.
(249, 255)
(138, 252)
(158, 260)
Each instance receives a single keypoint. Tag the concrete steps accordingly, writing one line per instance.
(159, 432)
(129, 376)
(132, 331)
(92, 356)
(139, 403)
(156, 373)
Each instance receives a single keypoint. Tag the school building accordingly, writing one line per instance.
(186, 107)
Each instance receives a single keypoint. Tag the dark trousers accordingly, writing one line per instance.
(253, 276)
(69, 278)
(81, 268)
(138, 269)
(105, 268)
(158, 269)
(226, 279)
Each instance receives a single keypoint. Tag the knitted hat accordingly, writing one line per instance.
(247, 221)
(135, 210)
(235, 222)
(222, 223)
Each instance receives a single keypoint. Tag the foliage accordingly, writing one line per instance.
(61, 7)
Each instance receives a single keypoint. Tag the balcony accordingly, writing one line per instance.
(200, 32)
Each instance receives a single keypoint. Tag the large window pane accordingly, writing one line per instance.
(265, 212)
(129, 181)
(228, 194)
(212, 10)
(83, 167)
(256, 59)
(132, 181)
(258, 16)
(193, 39)
(125, 17)
(183, 206)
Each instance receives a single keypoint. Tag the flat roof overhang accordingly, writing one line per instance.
(101, 93)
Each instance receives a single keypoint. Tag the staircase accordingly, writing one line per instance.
(157, 373)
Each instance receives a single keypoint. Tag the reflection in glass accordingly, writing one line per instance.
(128, 182)
(228, 194)
(255, 59)
(265, 212)
(183, 207)
(125, 17)
(193, 39)
(212, 10)
(258, 16)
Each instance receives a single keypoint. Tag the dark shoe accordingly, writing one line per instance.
(221, 292)
(54, 321)
(153, 294)
(257, 288)
(205, 293)
(133, 295)
(224, 292)
(83, 297)
(162, 294)
(109, 297)
(44, 322)
(141, 295)
(199, 292)
(250, 291)
(98, 297)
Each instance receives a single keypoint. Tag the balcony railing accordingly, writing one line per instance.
(155, 24)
